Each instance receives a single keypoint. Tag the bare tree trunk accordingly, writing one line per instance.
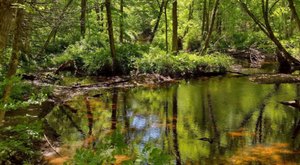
(161, 9)
(294, 13)
(175, 27)
(122, 21)
(14, 61)
(83, 17)
(213, 17)
(111, 35)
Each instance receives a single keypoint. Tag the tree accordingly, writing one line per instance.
(111, 35)
(55, 27)
(166, 25)
(83, 17)
(286, 60)
(175, 27)
(161, 9)
(122, 21)
(211, 27)
(294, 12)
(6, 20)
(14, 60)
(190, 17)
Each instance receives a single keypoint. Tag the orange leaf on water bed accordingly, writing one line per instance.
(120, 159)
(58, 160)
(240, 134)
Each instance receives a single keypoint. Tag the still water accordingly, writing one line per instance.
(220, 120)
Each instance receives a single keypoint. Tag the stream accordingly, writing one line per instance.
(216, 120)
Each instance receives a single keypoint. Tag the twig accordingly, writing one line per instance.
(52, 146)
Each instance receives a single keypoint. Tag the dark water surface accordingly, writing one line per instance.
(221, 120)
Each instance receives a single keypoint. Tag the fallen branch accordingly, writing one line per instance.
(52, 146)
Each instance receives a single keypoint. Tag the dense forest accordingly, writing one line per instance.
(149, 81)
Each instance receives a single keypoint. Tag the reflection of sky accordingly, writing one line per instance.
(139, 122)
(152, 133)
(147, 123)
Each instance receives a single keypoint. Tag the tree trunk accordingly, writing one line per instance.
(294, 13)
(175, 27)
(204, 18)
(122, 21)
(161, 9)
(14, 61)
(166, 25)
(213, 17)
(83, 17)
(6, 19)
(55, 27)
(102, 17)
(219, 23)
(111, 35)
(191, 12)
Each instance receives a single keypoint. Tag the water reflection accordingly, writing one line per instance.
(205, 121)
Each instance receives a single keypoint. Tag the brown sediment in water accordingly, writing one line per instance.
(272, 154)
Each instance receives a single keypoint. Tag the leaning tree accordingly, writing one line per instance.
(287, 62)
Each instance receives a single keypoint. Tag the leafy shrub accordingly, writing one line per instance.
(293, 45)
(96, 60)
(114, 145)
(184, 64)
(22, 94)
(17, 143)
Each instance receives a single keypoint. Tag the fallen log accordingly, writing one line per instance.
(275, 78)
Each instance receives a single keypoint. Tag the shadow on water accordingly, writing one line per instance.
(221, 120)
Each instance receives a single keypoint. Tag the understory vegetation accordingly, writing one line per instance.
(93, 60)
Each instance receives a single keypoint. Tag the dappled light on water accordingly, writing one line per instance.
(277, 153)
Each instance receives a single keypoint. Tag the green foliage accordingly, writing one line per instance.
(184, 64)
(242, 40)
(153, 155)
(103, 153)
(96, 60)
(293, 45)
(22, 94)
(110, 146)
(18, 142)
